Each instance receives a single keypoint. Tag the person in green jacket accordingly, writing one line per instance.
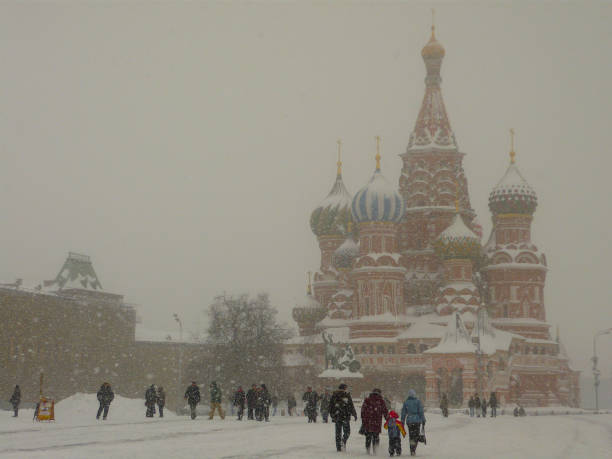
(215, 401)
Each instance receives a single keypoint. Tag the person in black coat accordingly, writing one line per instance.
(105, 397)
(251, 399)
(161, 401)
(150, 400)
(192, 395)
(483, 405)
(310, 398)
(341, 409)
(471, 406)
(239, 402)
(493, 404)
(16, 400)
(266, 400)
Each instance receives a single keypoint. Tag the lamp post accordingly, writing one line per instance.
(596, 371)
(180, 360)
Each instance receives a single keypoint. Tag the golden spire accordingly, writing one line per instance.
(350, 227)
(377, 152)
(433, 24)
(309, 290)
(512, 153)
(339, 163)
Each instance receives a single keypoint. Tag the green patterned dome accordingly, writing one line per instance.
(332, 216)
(457, 241)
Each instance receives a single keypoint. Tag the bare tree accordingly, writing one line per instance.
(245, 341)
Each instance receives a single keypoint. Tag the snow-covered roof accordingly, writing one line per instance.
(338, 334)
(458, 230)
(422, 329)
(387, 317)
(76, 273)
(456, 339)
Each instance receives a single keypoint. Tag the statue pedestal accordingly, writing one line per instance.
(333, 373)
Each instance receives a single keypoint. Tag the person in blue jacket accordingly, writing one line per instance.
(413, 416)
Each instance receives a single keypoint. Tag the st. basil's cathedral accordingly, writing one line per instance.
(406, 281)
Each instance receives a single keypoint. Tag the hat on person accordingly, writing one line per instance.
(411, 393)
(393, 414)
(376, 391)
(342, 386)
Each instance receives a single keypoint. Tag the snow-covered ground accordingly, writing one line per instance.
(128, 434)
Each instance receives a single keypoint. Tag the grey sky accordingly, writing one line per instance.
(183, 145)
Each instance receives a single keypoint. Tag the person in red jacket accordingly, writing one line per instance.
(372, 412)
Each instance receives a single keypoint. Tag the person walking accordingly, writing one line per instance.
(413, 416)
(483, 406)
(215, 400)
(251, 398)
(105, 397)
(16, 400)
(372, 412)
(471, 406)
(266, 402)
(150, 401)
(239, 401)
(324, 405)
(192, 395)
(341, 409)
(161, 400)
(291, 404)
(310, 398)
(444, 405)
(493, 404)
(477, 405)
(396, 431)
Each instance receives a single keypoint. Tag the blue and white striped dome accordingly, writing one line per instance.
(378, 201)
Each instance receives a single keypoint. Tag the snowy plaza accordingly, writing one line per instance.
(128, 434)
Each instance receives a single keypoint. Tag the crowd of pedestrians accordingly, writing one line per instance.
(479, 407)
(337, 405)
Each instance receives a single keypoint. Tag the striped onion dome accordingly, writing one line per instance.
(378, 201)
(513, 195)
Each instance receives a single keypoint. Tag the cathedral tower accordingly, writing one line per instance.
(329, 222)
(378, 278)
(516, 270)
(432, 168)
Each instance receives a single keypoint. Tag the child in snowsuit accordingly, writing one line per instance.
(395, 427)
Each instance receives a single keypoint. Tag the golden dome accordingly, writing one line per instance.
(433, 48)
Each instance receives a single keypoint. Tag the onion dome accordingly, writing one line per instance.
(457, 241)
(433, 48)
(378, 201)
(343, 256)
(308, 311)
(333, 214)
(513, 195)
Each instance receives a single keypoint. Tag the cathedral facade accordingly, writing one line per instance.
(406, 280)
